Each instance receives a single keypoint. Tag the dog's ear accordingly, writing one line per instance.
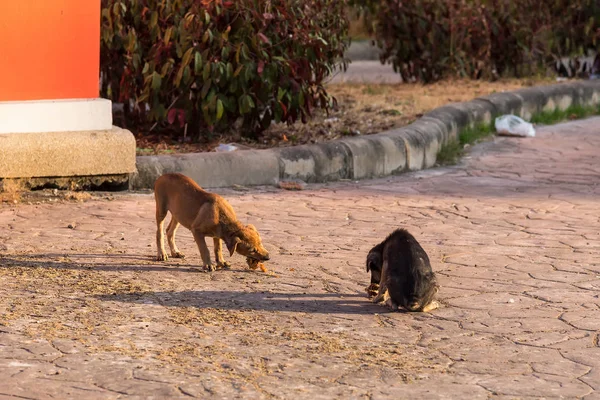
(232, 244)
(369, 261)
(373, 261)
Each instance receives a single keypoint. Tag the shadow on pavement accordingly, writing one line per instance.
(118, 262)
(320, 303)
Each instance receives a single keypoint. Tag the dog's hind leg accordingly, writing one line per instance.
(391, 304)
(431, 306)
(219, 255)
(161, 214)
(171, 230)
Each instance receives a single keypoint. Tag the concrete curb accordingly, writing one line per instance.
(410, 148)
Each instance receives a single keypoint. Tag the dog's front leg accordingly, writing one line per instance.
(204, 253)
(381, 294)
(219, 254)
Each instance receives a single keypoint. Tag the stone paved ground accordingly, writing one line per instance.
(513, 234)
(367, 71)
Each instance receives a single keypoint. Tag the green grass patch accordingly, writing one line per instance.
(573, 112)
(451, 152)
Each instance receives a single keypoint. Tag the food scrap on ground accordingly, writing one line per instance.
(255, 264)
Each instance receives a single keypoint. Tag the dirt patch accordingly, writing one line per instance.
(363, 109)
(19, 194)
(68, 308)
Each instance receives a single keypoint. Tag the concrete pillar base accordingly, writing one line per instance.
(67, 154)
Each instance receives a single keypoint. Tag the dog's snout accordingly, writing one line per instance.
(266, 257)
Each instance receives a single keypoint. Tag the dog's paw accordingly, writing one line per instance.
(162, 257)
(382, 297)
(209, 267)
(224, 264)
(391, 304)
(178, 254)
(372, 290)
(431, 306)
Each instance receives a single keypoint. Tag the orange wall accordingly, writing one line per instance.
(49, 49)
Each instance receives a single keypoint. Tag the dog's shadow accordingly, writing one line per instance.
(118, 262)
(316, 303)
(322, 303)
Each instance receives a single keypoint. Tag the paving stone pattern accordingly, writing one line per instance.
(513, 234)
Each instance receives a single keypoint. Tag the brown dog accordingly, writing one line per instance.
(205, 214)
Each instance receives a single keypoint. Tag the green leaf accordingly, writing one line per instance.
(225, 52)
(246, 104)
(161, 112)
(197, 63)
(244, 51)
(187, 74)
(237, 54)
(136, 61)
(178, 77)
(154, 19)
(219, 109)
(143, 98)
(156, 80)
(212, 100)
(206, 72)
(238, 70)
(233, 86)
(205, 88)
(167, 36)
(187, 57)
(164, 70)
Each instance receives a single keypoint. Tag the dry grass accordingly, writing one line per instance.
(17, 191)
(363, 109)
(357, 29)
(10, 191)
(194, 316)
(69, 306)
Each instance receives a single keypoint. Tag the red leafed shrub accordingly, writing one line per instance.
(430, 39)
(207, 63)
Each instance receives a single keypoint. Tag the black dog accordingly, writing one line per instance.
(401, 268)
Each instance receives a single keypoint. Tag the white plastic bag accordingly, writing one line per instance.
(221, 148)
(511, 125)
